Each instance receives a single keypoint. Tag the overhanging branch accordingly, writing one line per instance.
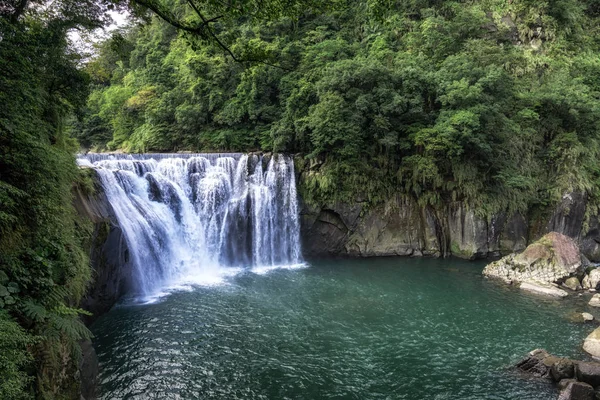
(203, 29)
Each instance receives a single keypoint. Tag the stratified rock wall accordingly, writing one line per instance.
(402, 227)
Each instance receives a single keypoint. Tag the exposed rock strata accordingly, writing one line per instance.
(401, 226)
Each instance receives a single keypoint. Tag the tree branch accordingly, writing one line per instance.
(202, 29)
(164, 15)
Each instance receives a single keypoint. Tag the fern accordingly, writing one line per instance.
(70, 326)
(35, 312)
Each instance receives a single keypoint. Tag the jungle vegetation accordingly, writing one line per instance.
(493, 102)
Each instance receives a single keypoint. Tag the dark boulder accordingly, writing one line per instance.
(564, 383)
(588, 372)
(88, 371)
(538, 363)
(562, 369)
(577, 391)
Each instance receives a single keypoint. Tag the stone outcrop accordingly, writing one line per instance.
(401, 226)
(552, 258)
(543, 289)
(107, 251)
(575, 380)
(591, 344)
(595, 301)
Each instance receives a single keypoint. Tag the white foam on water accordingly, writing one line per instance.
(265, 269)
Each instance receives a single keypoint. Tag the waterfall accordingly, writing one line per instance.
(201, 217)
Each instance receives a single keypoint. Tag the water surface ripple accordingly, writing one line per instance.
(363, 329)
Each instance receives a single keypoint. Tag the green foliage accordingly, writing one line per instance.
(493, 103)
(42, 258)
(15, 359)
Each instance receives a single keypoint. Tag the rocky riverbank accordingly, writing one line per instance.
(575, 380)
(553, 266)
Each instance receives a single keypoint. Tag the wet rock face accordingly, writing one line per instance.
(108, 254)
(590, 243)
(88, 371)
(323, 233)
(468, 233)
(552, 258)
(569, 215)
(108, 257)
(401, 226)
(394, 229)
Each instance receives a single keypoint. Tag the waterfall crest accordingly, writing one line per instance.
(200, 217)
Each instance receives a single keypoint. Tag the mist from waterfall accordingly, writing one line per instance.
(198, 218)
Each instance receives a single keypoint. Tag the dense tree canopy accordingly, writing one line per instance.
(492, 102)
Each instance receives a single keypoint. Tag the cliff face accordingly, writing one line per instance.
(402, 227)
(107, 250)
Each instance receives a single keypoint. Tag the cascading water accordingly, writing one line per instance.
(199, 217)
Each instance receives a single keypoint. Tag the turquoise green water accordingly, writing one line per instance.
(362, 329)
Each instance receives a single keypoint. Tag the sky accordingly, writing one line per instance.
(81, 41)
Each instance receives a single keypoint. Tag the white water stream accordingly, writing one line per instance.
(195, 219)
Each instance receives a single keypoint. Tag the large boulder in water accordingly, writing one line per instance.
(588, 372)
(595, 301)
(591, 343)
(594, 278)
(552, 258)
(538, 363)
